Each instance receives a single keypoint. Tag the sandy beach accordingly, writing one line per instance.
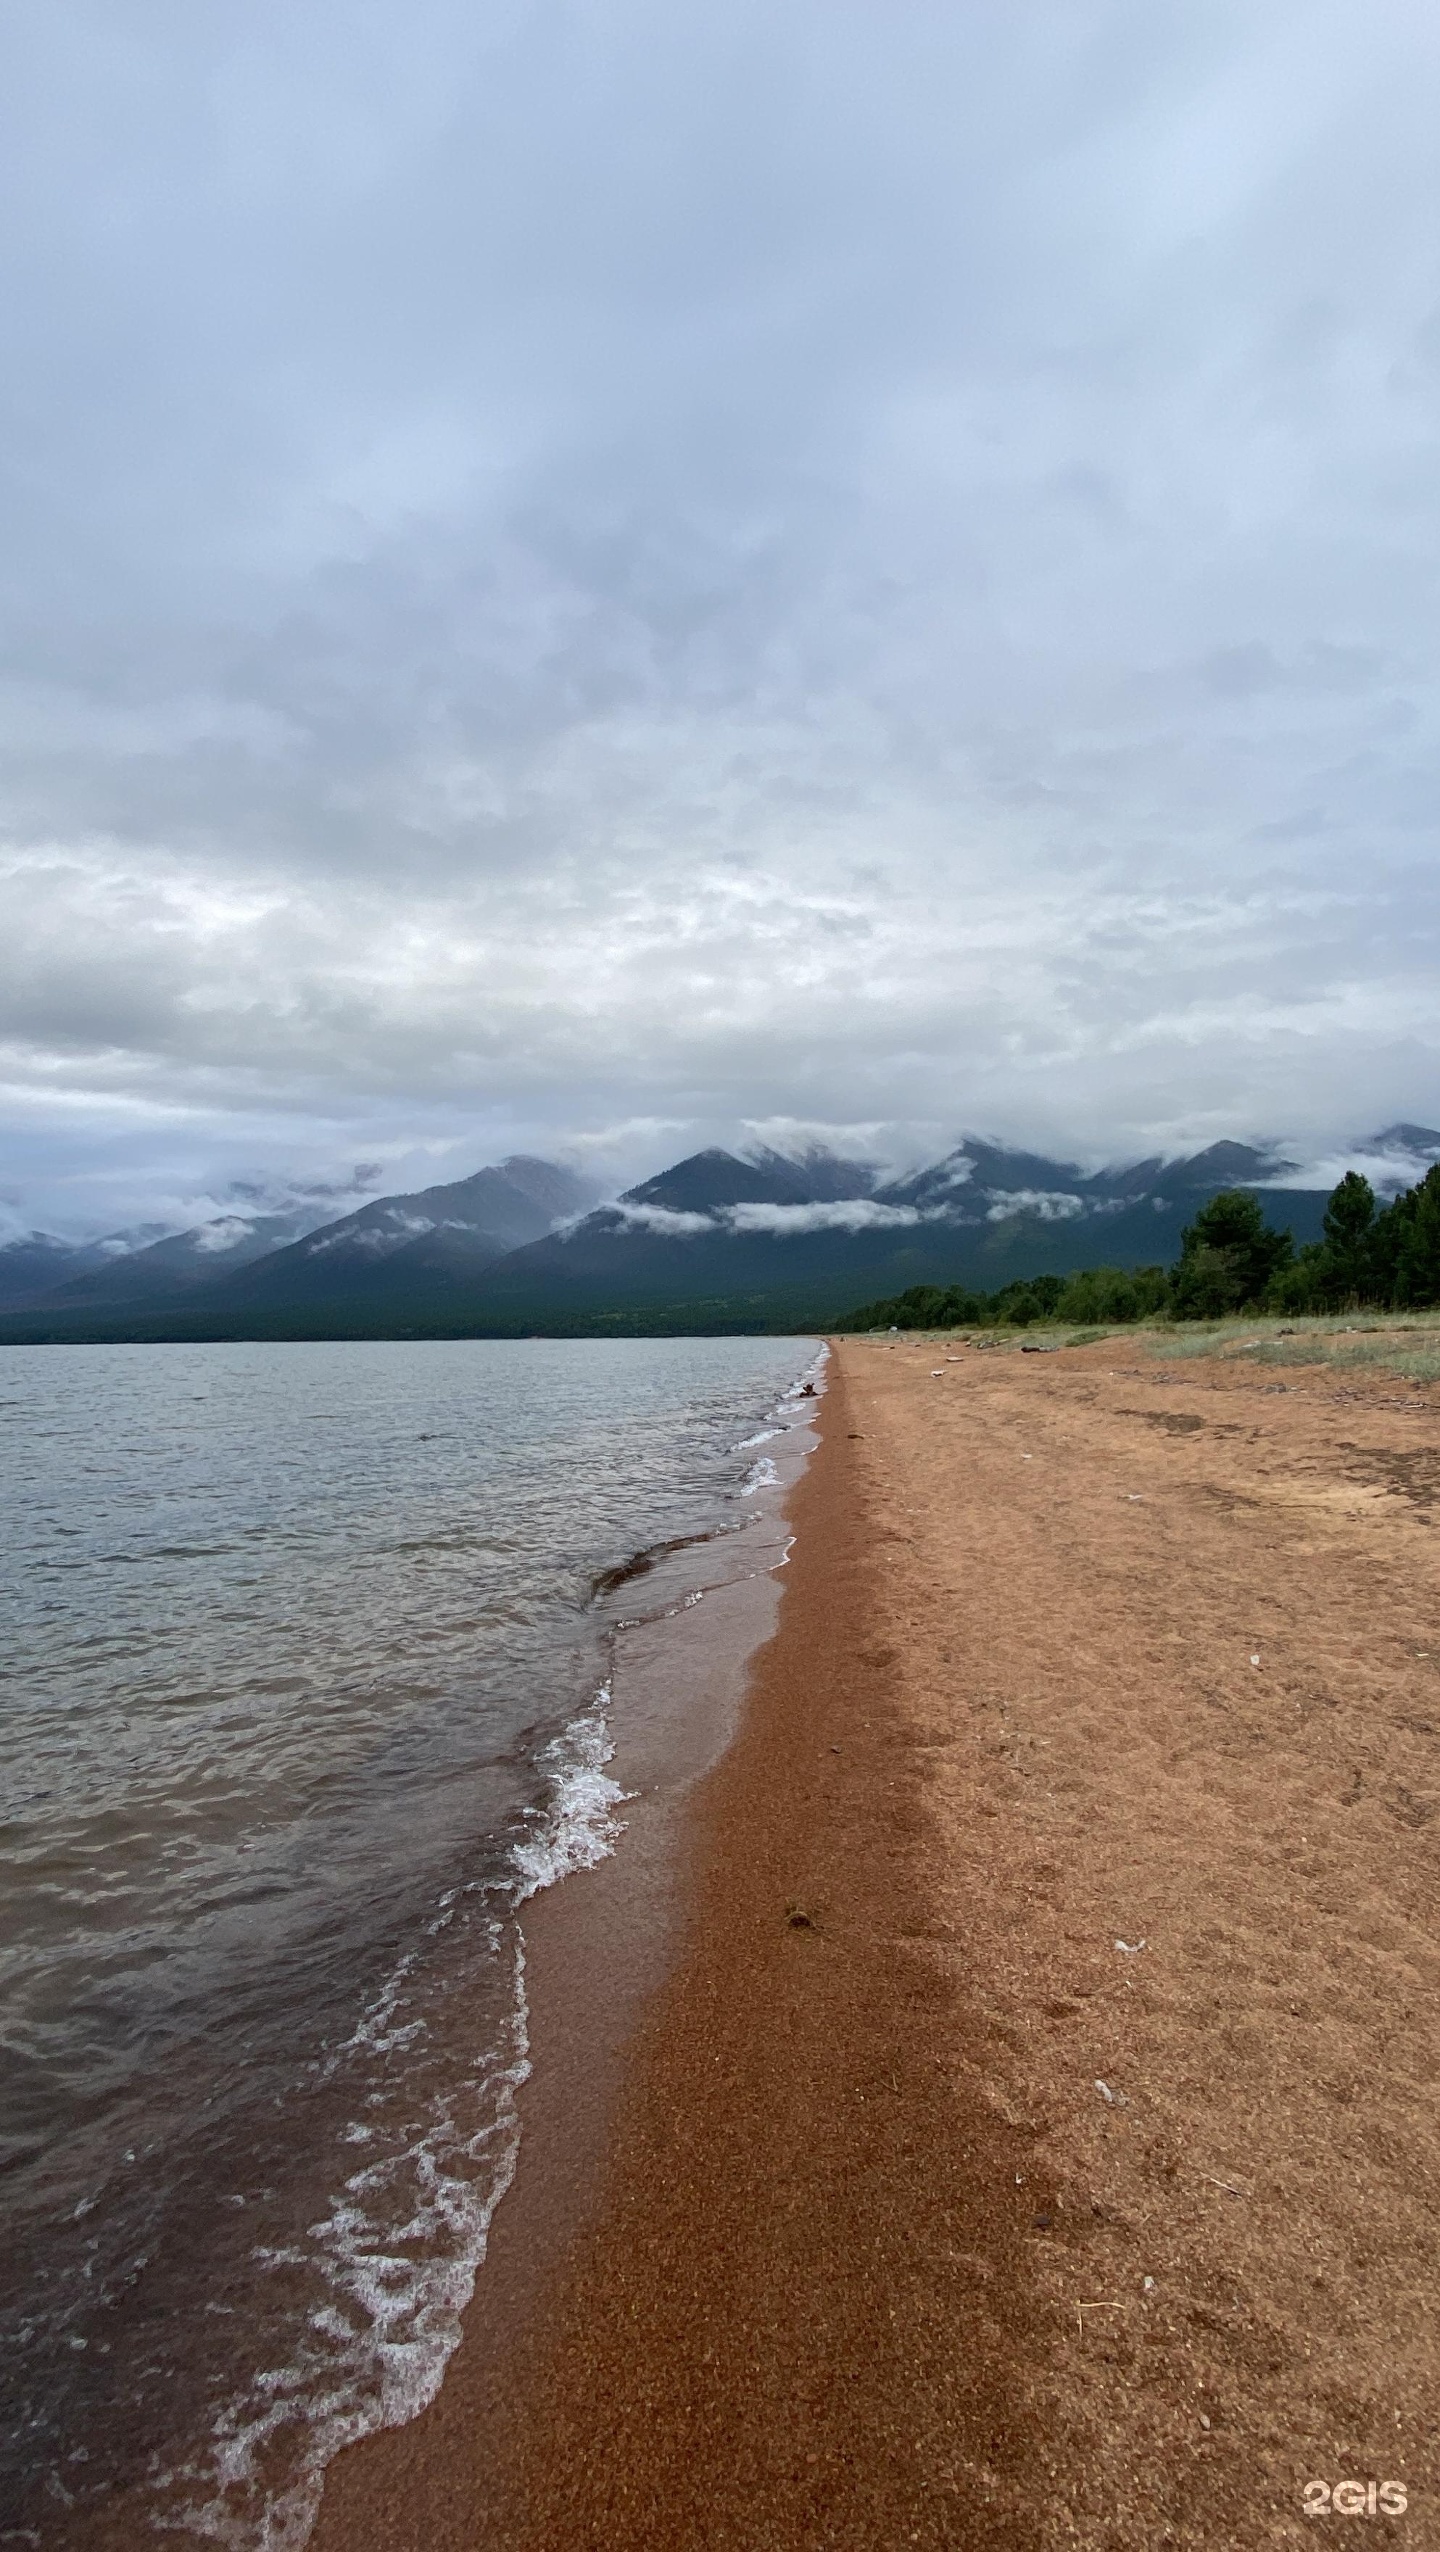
(1031, 2138)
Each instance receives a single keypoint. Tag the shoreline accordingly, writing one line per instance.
(599, 1944)
(756, 2342)
(1030, 2140)
(298, 2293)
(705, 2281)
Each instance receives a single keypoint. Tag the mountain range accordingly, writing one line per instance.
(719, 1241)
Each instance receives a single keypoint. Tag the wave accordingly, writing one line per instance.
(579, 1825)
(395, 2257)
(391, 2261)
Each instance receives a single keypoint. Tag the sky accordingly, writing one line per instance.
(595, 576)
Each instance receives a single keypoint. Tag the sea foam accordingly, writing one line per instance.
(395, 2257)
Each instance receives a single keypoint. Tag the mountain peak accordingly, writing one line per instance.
(706, 1181)
(1222, 1165)
(816, 1176)
(1421, 1141)
(987, 1168)
(246, 1258)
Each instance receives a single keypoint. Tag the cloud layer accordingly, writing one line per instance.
(611, 573)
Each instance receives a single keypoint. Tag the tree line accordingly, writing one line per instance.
(1231, 1260)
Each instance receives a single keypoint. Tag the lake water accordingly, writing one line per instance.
(305, 1687)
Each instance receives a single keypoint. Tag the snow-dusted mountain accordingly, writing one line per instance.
(734, 1236)
(434, 1240)
(984, 1182)
(34, 1263)
(302, 1252)
(131, 1269)
(719, 1237)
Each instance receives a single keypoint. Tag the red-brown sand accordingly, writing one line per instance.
(1034, 2140)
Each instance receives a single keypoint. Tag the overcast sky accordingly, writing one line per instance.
(618, 573)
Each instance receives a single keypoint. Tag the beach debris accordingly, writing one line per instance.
(1132, 1946)
(1255, 1659)
(1112, 2099)
(1101, 2304)
(1147, 2285)
(1134, 1498)
(798, 1916)
(935, 1372)
(1232, 2187)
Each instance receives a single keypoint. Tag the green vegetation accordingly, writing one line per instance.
(1387, 1256)
(1106, 1295)
(1231, 1260)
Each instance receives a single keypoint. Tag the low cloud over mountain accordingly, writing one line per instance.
(748, 1239)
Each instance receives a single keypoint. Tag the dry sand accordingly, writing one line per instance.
(931, 2213)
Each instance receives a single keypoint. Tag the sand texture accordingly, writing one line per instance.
(932, 2214)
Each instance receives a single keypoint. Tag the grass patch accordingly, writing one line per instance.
(1178, 1346)
(1417, 1363)
(1409, 1347)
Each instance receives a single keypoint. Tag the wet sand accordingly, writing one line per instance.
(924, 2211)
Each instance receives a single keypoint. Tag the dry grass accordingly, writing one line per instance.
(1405, 1343)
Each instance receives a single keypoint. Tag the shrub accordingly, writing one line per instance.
(1113, 1294)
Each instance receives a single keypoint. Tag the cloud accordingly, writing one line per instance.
(649, 1218)
(226, 1232)
(377, 1240)
(587, 575)
(1049, 1205)
(851, 1214)
(1388, 1171)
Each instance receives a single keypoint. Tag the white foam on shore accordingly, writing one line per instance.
(810, 1385)
(395, 2257)
(579, 1826)
(393, 2261)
